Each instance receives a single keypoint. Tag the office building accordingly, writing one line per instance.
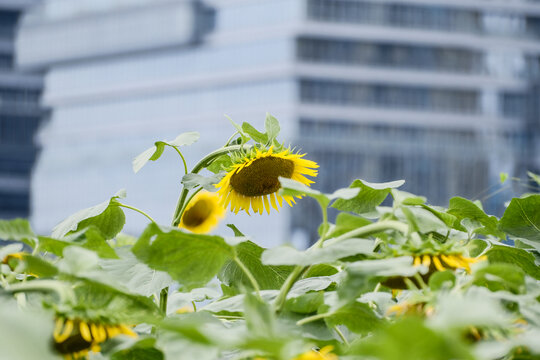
(20, 116)
(435, 92)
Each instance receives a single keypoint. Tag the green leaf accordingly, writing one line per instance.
(141, 350)
(107, 217)
(440, 279)
(286, 255)
(191, 259)
(249, 253)
(510, 255)
(191, 181)
(347, 222)
(522, 218)
(399, 266)
(271, 125)
(137, 277)
(406, 198)
(254, 133)
(291, 187)
(466, 209)
(25, 335)
(89, 238)
(156, 151)
(357, 317)
(305, 304)
(222, 163)
(501, 277)
(304, 286)
(410, 339)
(235, 304)
(39, 267)
(503, 177)
(259, 316)
(370, 196)
(9, 249)
(17, 230)
(535, 177)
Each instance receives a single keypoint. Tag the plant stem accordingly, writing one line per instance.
(370, 229)
(249, 275)
(183, 159)
(137, 210)
(312, 318)
(343, 338)
(204, 162)
(286, 287)
(163, 299)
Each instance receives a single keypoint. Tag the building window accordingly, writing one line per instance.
(375, 95)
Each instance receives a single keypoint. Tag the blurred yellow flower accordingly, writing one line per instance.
(323, 354)
(202, 213)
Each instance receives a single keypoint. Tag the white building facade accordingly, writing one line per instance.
(380, 90)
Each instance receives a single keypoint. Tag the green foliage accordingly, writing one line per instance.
(407, 280)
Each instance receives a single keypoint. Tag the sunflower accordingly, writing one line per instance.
(323, 354)
(253, 179)
(434, 263)
(202, 213)
(74, 338)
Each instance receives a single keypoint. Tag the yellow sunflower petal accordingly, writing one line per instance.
(426, 260)
(85, 331)
(68, 328)
(438, 264)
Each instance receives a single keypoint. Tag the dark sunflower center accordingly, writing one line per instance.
(197, 214)
(261, 177)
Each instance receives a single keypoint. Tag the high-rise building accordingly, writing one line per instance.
(432, 91)
(20, 115)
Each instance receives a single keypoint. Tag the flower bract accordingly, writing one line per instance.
(202, 213)
(253, 179)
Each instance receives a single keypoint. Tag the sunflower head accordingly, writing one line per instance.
(75, 338)
(202, 213)
(252, 181)
(323, 354)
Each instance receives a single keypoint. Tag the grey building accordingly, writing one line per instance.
(435, 92)
(20, 115)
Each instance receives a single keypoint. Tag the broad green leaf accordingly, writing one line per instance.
(9, 249)
(406, 198)
(305, 304)
(249, 253)
(137, 277)
(141, 350)
(107, 217)
(222, 163)
(466, 209)
(347, 222)
(369, 196)
(259, 316)
(410, 339)
(357, 317)
(25, 335)
(450, 220)
(522, 218)
(510, 255)
(441, 279)
(286, 255)
(191, 181)
(39, 267)
(501, 276)
(304, 286)
(245, 137)
(291, 187)
(156, 151)
(191, 259)
(271, 125)
(235, 304)
(89, 238)
(503, 177)
(254, 133)
(17, 230)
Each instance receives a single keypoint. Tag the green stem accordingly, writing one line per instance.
(248, 273)
(194, 306)
(286, 287)
(370, 229)
(183, 159)
(312, 318)
(204, 162)
(343, 338)
(163, 299)
(137, 210)
(64, 291)
(420, 281)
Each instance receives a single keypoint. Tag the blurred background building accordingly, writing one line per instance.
(440, 93)
(20, 115)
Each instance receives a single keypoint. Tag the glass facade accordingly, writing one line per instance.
(20, 116)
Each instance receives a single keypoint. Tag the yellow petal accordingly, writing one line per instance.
(438, 264)
(85, 331)
(68, 328)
